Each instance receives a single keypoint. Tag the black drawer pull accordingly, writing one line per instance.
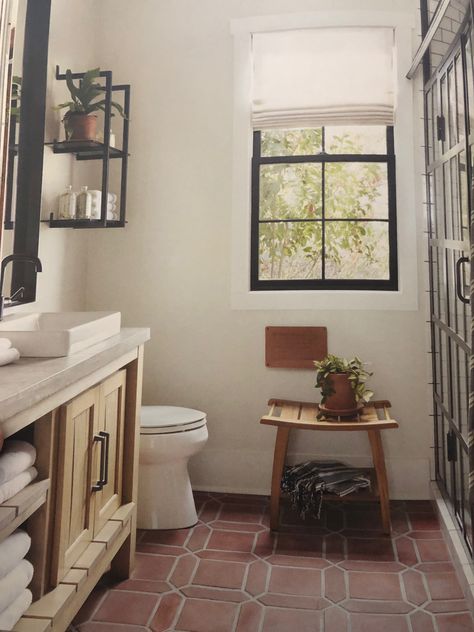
(100, 483)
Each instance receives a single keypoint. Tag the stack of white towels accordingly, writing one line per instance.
(16, 468)
(7, 352)
(15, 575)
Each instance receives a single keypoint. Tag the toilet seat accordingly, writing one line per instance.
(156, 420)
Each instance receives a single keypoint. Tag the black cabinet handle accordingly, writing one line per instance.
(102, 440)
(459, 293)
(105, 474)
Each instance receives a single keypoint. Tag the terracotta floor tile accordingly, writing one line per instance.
(432, 551)
(257, 577)
(378, 623)
(334, 584)
(219, 574)
(143, 585)
(231, 541)
(176, 537)
(377, 606)
(424, 521)
(198, 538)
(335, 620)
(377, 550)
(206, 616)
(233, 512)
(250, 616)
(166, 613)
(231, 573)
(294, 601)
(247, 527)
(295, 581)
(444, 586)
(183, 571)
(280, 620)
(406, 551)
(374, 586)
(289, 544)
(455, 623)
(152, 566)
(414, 587)
(126, 607)
(215, 594)
(209, 511)
(422, 622)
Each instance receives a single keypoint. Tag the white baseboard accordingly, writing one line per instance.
(249, 472)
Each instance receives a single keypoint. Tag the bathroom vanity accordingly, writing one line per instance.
(80, 412)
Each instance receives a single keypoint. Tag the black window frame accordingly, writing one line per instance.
(390, 284)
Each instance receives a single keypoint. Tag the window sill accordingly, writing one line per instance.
(325, 300)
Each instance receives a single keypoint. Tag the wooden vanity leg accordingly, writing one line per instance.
(281, 447)
(382, 482)
(124, 562)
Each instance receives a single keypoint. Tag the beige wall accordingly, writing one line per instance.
(170, 268)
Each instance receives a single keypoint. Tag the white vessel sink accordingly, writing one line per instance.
(55, 334)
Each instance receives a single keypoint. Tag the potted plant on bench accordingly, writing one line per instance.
(343, 385)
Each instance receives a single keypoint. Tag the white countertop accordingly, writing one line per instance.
(30, 380)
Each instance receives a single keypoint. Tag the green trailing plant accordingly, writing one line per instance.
(355, 371)
(87, 96)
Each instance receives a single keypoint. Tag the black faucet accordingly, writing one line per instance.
(38, 267)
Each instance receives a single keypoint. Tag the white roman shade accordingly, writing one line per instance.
(324, 76)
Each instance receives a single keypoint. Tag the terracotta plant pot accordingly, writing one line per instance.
(80, 126)
(343, 398)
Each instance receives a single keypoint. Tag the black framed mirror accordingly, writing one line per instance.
(25, 180)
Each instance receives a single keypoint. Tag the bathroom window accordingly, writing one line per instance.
(324, 209)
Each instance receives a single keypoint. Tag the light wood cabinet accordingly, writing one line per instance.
(89, 487)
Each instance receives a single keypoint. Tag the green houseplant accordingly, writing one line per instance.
(342, 383)
(80, 121)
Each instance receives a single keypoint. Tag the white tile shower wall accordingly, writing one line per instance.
(170, 267)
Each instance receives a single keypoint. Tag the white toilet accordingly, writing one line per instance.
(169, 436)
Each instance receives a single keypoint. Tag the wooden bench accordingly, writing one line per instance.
(287, 415)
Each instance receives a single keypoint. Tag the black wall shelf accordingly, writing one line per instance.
(95, 150)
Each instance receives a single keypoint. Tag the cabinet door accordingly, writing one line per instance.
(78, 470)
(111, 427)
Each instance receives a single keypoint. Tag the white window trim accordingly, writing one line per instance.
(406, 298)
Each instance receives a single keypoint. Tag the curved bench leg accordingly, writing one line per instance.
(281, 447)
(382, 482)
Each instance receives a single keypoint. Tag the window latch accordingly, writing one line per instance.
(441, 128)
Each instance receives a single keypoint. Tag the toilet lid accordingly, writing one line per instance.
(167, 419)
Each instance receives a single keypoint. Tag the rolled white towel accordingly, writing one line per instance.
(15, 485)
(7, 356)
(16, 457)
(10, 617)
(5, 343)
(14, 583)
(12, 550)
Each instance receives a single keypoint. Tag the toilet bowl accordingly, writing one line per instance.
(169, 437)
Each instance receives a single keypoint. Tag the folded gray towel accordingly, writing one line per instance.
(10, 617)
(13, 584)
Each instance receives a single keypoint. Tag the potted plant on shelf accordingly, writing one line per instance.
(80, 121)
(343, 384)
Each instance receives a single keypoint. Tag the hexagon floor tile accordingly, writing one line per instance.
(229, 573)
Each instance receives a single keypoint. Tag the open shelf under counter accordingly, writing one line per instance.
(14, 511)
